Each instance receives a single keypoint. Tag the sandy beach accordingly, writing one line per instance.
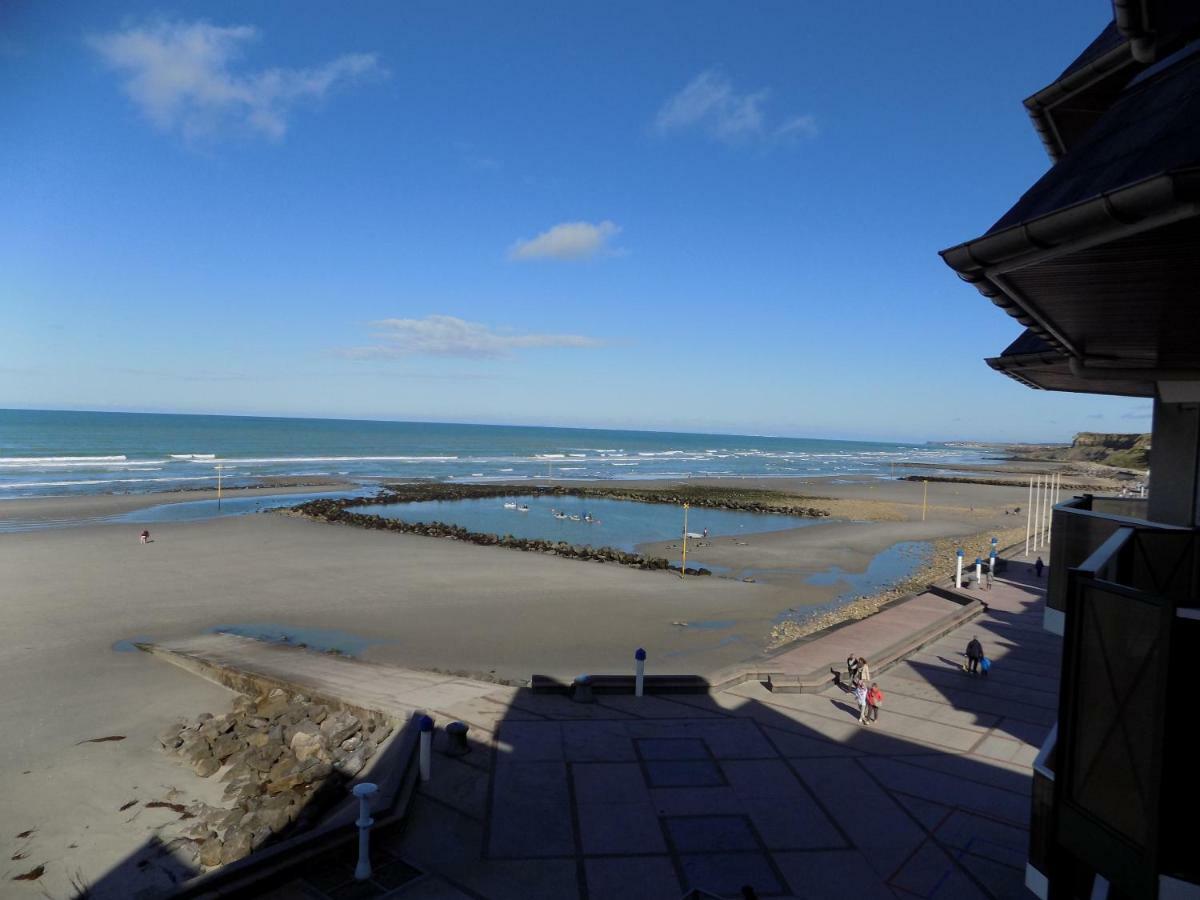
(71, 594)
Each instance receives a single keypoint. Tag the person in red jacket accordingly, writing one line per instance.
(874, 698)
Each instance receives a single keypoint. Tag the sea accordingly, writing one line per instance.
(54, 453)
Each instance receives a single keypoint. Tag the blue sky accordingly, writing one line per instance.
(689, 216)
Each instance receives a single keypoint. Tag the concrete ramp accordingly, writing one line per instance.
(252, 666)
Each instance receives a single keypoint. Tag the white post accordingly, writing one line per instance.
(1028, 516)
(992, 565)
(1050, 512)
(958, 555)
(639, 681)
(1037, 509)
(1046, 513)
(979, 573)
(426, 746)
(363, 792)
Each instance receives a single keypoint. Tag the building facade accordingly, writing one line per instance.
(1100, 260)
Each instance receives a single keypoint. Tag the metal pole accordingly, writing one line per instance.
(1028, 516)
(640, 672)
(683, 566)
(1045, 512)
(219, 470)
(924, 497)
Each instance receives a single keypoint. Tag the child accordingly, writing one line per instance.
(874, 698)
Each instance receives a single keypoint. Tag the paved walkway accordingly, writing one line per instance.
(388, 689)
(646, 798)
(865, 637)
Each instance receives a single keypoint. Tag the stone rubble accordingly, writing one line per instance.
(284, 760)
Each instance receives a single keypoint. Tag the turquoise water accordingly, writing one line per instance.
(51, 453)
(621, 524)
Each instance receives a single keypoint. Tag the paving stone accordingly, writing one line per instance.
(619, 828)
(696, 801)
(602, 741)
(530, 741)
(791, 744)
(531, 813)
(1004, 882)
(695, 834)
(609, 783)
(928, 813)
(724, 874)
(951, 791)
(689, 773)
(985, 837)
(931, 873)
(876, 825)
(632, 878)
(832, 874)
(672, 748)
(792, 825)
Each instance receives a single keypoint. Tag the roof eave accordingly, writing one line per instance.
(1150, 203)
(1040, 105)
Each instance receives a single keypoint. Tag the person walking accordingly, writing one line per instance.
(145, 536)
(988, 578)
(974, 655)
(874, 698)
(1038, 566)
(852, 669)
(860, 694)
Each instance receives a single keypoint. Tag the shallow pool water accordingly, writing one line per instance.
(621, 524)
(325, 640)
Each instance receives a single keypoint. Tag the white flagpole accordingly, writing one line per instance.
(1028, 516)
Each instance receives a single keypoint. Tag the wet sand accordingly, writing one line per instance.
(69, 594)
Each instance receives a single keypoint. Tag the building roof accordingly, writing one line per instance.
(1098, 259)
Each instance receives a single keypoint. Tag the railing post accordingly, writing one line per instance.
(639, 679)
(363, 792)
(426, 747)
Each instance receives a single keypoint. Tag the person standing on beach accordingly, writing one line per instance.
(145, 536)
(974, 655)
(1038, 566)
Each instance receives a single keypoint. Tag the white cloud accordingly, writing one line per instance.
(451, 336)
(181, 75)
(710, 104)
(567, 240)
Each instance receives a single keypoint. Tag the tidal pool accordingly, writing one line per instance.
(620, 524)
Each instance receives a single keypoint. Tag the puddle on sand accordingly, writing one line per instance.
(323, 640)
(129, 645)
(713, 624)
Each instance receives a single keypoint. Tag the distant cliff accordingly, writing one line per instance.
(1124, 451)
(1129, 451)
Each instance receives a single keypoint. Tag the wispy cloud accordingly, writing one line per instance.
(1138, 414)
(182, 76)
(454, 337)
(710, 104)
(567, 240)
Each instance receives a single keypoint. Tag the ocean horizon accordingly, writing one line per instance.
(53, 452)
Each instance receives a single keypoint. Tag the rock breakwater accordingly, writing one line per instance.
(285, 761)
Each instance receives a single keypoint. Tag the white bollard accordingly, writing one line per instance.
(426, 746)
(1028, 516)
(958, 555)
(979, 573)
(363, 792)
(639, 680)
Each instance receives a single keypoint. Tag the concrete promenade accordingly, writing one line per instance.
(647, 798)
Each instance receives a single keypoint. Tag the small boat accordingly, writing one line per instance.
(560, 515)
(574, 518)
(510, 506)
(523, 508)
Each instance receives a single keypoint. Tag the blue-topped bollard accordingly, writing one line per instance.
(363, 792)
(639, 680)
(582, 689)
(426, 747)
(958, 556)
